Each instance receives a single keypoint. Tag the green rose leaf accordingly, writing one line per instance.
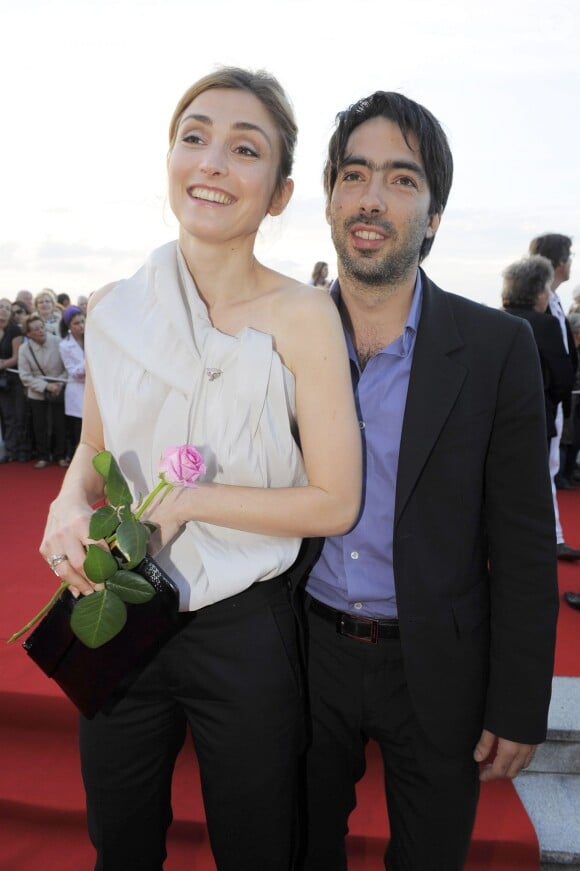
(132, 537)
(99, 564)
(130, 587)
(98, 617)
(118, 492)
(103, 522)
(125, 512)
(102, 462)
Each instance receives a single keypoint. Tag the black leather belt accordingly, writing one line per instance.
(360, 628)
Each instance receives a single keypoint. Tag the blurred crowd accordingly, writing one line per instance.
(42, 364)
(42, 377)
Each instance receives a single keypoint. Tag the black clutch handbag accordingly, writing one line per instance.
(95, 679)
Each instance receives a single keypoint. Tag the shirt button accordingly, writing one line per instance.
(358, 605)
(361, 424)
(354, 554)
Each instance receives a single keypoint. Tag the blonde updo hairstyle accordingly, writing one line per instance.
(46, 291)
(267, 90)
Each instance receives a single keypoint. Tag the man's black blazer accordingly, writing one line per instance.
(474, 536)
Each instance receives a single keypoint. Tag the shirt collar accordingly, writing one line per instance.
(412, 322)
(414, 315)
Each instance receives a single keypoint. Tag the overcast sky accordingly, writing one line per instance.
(88, 89)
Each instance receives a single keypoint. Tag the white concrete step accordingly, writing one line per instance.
(561, 752)
(552, 802)
(550, 788)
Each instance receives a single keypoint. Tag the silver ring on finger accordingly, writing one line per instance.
(55, 560)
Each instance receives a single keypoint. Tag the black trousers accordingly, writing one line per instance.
(358, 691)
(232, 675)
(12, 412)
(48, 425)
(73, 426)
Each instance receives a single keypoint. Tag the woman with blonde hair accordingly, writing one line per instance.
(46, 306)
(206, 345)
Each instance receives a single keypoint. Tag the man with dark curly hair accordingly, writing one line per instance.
(431, 623)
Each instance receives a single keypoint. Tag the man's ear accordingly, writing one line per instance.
(433, 226)
(327, 211)
(281, 198)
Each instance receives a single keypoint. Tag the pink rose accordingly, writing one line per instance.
(182, 465)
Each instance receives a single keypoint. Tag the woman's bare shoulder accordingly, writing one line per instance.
(292, 293)
(306, 321)
(300, 303)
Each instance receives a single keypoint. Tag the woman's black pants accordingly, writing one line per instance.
(232, 676)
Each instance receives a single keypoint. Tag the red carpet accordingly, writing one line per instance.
(41, 797)
(568, 643)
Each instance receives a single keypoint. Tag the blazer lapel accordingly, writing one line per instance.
(435, 382)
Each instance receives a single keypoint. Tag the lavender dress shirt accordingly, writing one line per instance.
(355, 571)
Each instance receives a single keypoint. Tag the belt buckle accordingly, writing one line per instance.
(374, 626)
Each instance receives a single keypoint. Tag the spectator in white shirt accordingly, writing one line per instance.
(72, 352)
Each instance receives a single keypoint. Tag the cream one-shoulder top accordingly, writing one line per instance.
(165, 376)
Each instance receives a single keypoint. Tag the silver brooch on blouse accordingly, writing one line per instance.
(212, 374)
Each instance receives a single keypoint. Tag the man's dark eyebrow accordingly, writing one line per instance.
(238, 125)
(410, 165)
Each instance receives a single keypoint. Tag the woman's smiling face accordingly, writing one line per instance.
(223, 166)
(45, 305)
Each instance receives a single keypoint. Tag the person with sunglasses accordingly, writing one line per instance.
(18, 314)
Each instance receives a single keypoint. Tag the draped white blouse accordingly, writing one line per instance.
(165, 376)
